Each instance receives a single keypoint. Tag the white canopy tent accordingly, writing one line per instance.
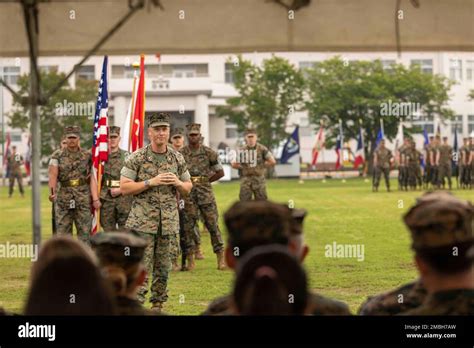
(85, 27)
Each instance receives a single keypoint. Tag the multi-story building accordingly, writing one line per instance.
(192, 86)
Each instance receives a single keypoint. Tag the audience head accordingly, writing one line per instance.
(270, 281)
(65, 280)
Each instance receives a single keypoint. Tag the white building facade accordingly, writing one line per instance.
(190, 87)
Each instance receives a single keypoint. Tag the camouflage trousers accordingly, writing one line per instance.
(114, 212)
(157, 262)
(210, 217)
(427, 174)
(444, 171)
(402, 177)
(378, 173)
(434, 175)
(81, 216)
(414, 175)
(253, 186)
(19, 178)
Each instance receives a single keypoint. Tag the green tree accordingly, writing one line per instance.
(53, 116)
(357, 93)
(267, 95)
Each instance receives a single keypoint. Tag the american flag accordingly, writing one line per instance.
(100, 146)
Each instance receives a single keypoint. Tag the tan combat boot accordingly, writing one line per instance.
(221, 266)
(190, 262)
(157, 307)
(198, 255)
(175, 267)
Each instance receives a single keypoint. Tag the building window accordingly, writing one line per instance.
(455, 69)
(387, 64)
(231, 131)
(184, 71)
(470, 124)
(456, 124)
(47, 69)
(307, 65)
(426, 65)
(86, 72)
(470, 70)
(10, 74)
(15, 137)
(229, 73)
(425, 122)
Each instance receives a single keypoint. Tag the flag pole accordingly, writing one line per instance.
(99, 186)
(142, 121)
(132, 111)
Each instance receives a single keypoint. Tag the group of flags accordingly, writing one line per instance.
(292, 146)
(132, 131)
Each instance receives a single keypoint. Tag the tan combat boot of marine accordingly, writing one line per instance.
(157, 307)
(221, 266)
(190, 262)
(198, 254)
(175, 267)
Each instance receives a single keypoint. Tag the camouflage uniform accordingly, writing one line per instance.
(396, 301)
(434, 165)
(413, 165)
(447, 302)
(154, 213)
(202, 164)
(114, 210)
(438, 223)
(73, 198)
(471, 169)
(122, 250)
(14, 162)
(252, 179)
(177, 244)
(463, 165)
(383, 166)
(402, 168)
(317, 305)
(444, 168)
(428, 166)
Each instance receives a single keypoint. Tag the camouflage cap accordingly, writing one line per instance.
(439, 219)
(250, 131)
(193, 128)
(120, 248)
(177, 132)
(298, 216)
(161, 119)
(114, 130)
(257, 223)
(72, 130)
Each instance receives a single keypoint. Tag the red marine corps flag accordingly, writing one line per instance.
(137, 125)
(319, 145)
(100, 144)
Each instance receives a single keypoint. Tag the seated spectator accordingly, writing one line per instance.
(256, 223)
(120, 255)
(65, 280)
(441, 227)
(269, 281)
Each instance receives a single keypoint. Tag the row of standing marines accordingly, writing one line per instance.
(157, 193)
(438, 158)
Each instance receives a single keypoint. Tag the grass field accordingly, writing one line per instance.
(342, 212)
